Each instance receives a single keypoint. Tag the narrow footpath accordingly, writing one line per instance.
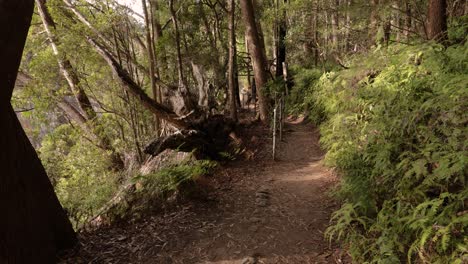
(258, 211)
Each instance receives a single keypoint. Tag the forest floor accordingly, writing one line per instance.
(253, 211)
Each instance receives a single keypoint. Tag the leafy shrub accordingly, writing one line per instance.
(396, 131)
(304, 84)
(169, 179)
(79, 172)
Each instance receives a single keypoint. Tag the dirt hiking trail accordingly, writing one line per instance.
(258, 211)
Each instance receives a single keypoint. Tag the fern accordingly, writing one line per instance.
(398, 137)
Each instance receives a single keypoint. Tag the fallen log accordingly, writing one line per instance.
(207, 139)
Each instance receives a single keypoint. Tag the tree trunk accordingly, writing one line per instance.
(73, 81)
(347, 44)
(257, 55)
(316, 33)
(408, 20)
(151, 58)
(180, 70)
(65, 66)
(188, 103)
(133, 88)
(281, 45)
(231, 64)
(33, 225)
(335, 24)
(437, 20)
(374, 21)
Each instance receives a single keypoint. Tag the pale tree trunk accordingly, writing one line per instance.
(203, 85)
(33, 225)
(374, 21)
(73, 81)
(326, 33)
(347, 45)
(180, 69)
(437, 20)
(66, 69)
(316, 33)
(232, 58)
(157, 34)
(397, 19)
(188, 104)
(133, 88)
(127, 82)
(151, 58)
(335, 23)
(257, 55)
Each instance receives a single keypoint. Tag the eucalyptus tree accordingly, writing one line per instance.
(257, 53)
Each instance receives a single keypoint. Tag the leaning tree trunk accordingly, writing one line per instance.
(73, 81)
(33, 225)
(437, 20)
(257, 54)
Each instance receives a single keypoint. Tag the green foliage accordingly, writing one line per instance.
(395, 128)
(79, 171)
(300, 98)
(458, 29)
(274, 88)
(170, 179)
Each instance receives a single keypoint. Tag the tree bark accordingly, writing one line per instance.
(281, 45)
(231, 64)
(408, 20)
(129, 85)
(188, 103)
(335, 24)
(374, 21)
(151, 58)
(33, 225)
(257, 55)
(347, 43)
(65, 66)
(73, 81)
(437, 20)
(180, 70)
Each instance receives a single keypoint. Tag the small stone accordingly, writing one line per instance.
(253, 229)
(255, 220)
(254, 139)
(263, 189)
(249, 260)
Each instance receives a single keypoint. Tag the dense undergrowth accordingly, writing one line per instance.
(87, 187)
(395, 127)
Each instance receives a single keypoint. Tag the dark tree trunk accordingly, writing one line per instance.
(437, 20)
(257, 54)
(232, 62)
(281, 46)
(33, 225)
(408, 20)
